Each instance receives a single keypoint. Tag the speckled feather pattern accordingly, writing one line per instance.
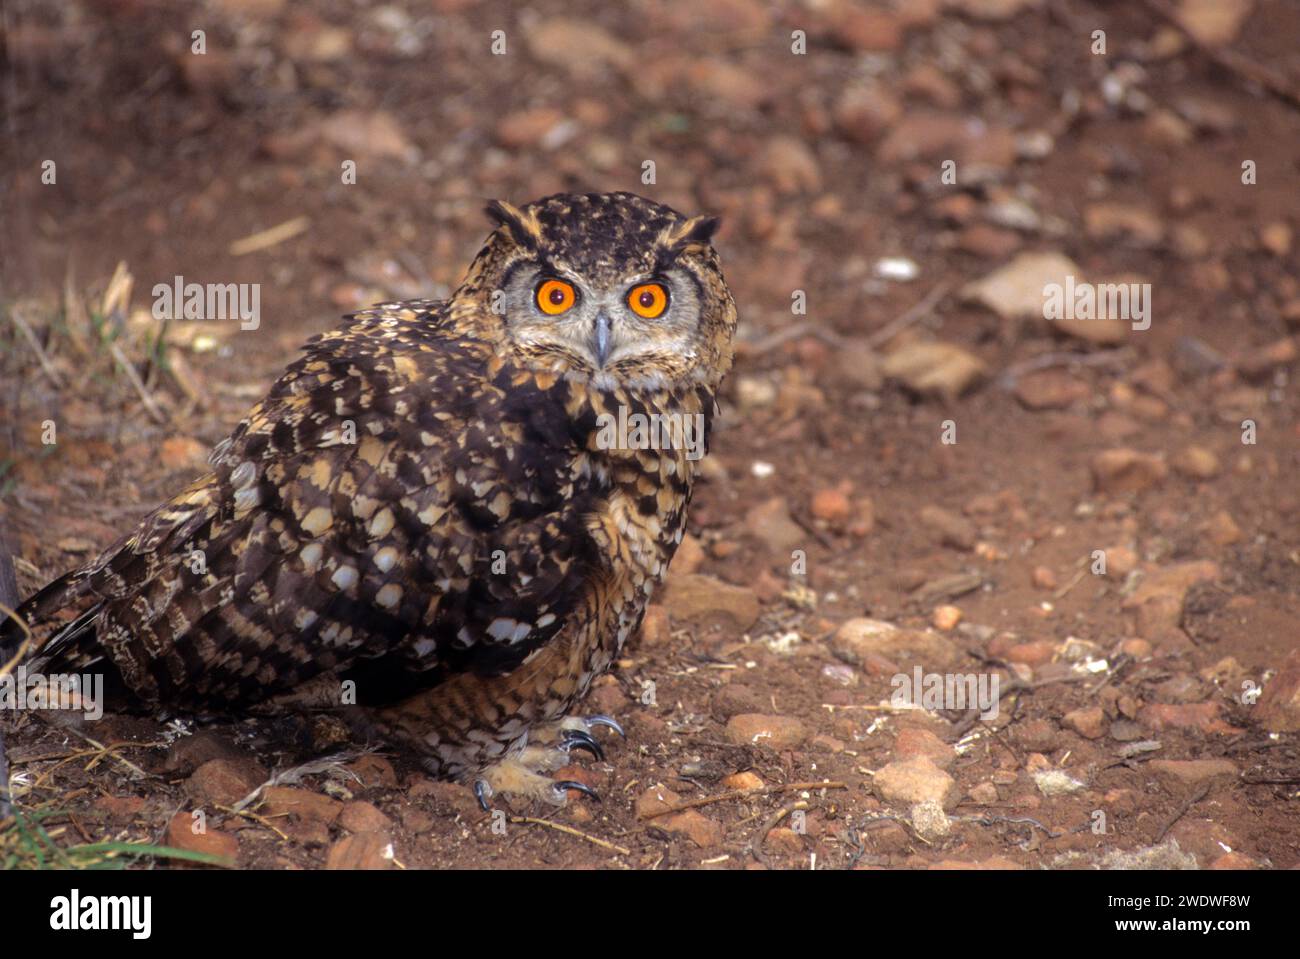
(422, 507)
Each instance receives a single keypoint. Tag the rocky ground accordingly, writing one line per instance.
(912, 468)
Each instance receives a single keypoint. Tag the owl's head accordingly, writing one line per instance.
(607, 286)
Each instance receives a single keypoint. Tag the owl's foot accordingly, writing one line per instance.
(521, 774)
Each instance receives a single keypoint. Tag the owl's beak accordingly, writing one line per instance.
(600, 337)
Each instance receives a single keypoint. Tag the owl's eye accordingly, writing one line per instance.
(555, 296)
(648, 300)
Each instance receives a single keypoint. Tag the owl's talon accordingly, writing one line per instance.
(481, 792)
(563, 786)
(577, 739)
(602, 720)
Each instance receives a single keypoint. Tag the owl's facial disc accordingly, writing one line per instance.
(610, 325)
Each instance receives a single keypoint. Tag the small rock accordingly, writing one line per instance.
(770, 521)
(832, 505)
(303, 803)
(689, 556)
(361, 816)
(929, 820)
(1051, 390)
(1123, 470)
(954, 530)
(223, 782)
(746, 781)
(1213, 22)
(1194, 770)
(985, 794)
(790, 165)
(915, 780)
(1278, 708)
(1206, 717)
(182, 452)
(751, 729)
(655, 627)
(1044, 578)
(694, 825)
(1090, 722)
(913, 741)
(859, 640)
(1107, 221)
(364, 850)
(212, 842)
(1276, 238)
(699, 599)
(934, 368)
(1196, 462)
(1015, 291)
(946, 618)
(579, 47)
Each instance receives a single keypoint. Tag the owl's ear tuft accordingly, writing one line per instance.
(524, 227)
(696, 232)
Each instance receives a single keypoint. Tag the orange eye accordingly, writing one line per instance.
(649, 300)
(555, 296)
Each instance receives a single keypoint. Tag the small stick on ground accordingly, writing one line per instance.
(35, 344)
(269, 238)
(909, 316)
(756, 845)
(1182, 811)
(125, 365)
(742, 794)
(569, 830)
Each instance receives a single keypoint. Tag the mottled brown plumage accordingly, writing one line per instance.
(424, 505)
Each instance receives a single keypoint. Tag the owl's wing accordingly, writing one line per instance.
(398, 497)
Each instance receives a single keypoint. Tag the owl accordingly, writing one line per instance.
(444, 520)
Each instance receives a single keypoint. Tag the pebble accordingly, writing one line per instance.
(364, 850)
(1123, 470)
(953, 530)
(224, 782)
(303, 803)
(1089, 722)
(1196, 462)
(934, 368)
(770, 522)
(857, 641)
(758, 729)
(213, 842)
(914, 741)
(362, 816)
(985, 794)
(1194, 770)
(929, 820)
(833, 505)
(1207, 717)
(655, 627)
(946, 618)
(915, 780)
(698, 599)
(746, 781)
(1051, 390)
(1278, 707)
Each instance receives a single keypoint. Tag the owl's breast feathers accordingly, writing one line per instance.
(403, 502)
